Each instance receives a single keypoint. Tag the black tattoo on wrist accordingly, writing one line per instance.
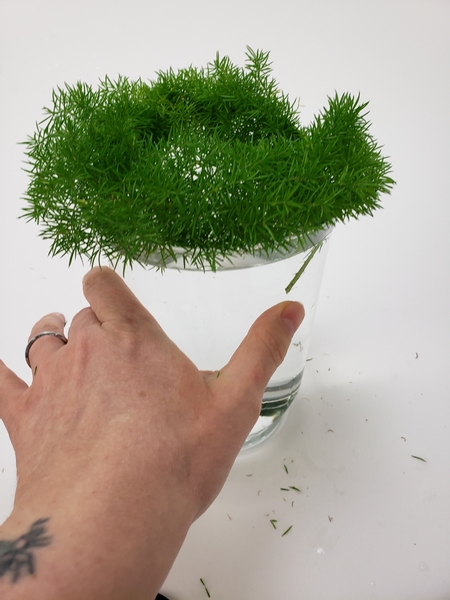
(17, 556)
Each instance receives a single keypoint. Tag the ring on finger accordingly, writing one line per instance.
(60, 336)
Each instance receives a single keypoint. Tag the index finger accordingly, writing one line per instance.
(111, 299)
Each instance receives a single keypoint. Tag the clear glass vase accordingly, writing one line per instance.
(207, 314)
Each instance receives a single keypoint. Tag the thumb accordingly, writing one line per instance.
(10, 387)
(262, 351)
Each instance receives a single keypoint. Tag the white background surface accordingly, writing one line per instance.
(370, 522)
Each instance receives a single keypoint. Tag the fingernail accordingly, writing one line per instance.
(293, 315)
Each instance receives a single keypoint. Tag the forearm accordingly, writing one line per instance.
(89, 549)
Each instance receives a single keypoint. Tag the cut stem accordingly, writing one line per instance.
(303, 267)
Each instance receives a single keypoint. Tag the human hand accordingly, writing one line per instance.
(121, 437)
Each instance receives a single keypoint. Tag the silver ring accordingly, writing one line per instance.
(60, 336)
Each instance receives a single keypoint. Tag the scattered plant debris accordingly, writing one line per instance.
(287, 531)
(418, 458)
(206, 589)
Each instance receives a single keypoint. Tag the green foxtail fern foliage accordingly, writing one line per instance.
(213, 161)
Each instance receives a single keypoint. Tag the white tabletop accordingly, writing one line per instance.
(370, 521)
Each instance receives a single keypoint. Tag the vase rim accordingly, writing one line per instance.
(181, 260)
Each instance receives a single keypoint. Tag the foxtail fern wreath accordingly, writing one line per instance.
(212, 161)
